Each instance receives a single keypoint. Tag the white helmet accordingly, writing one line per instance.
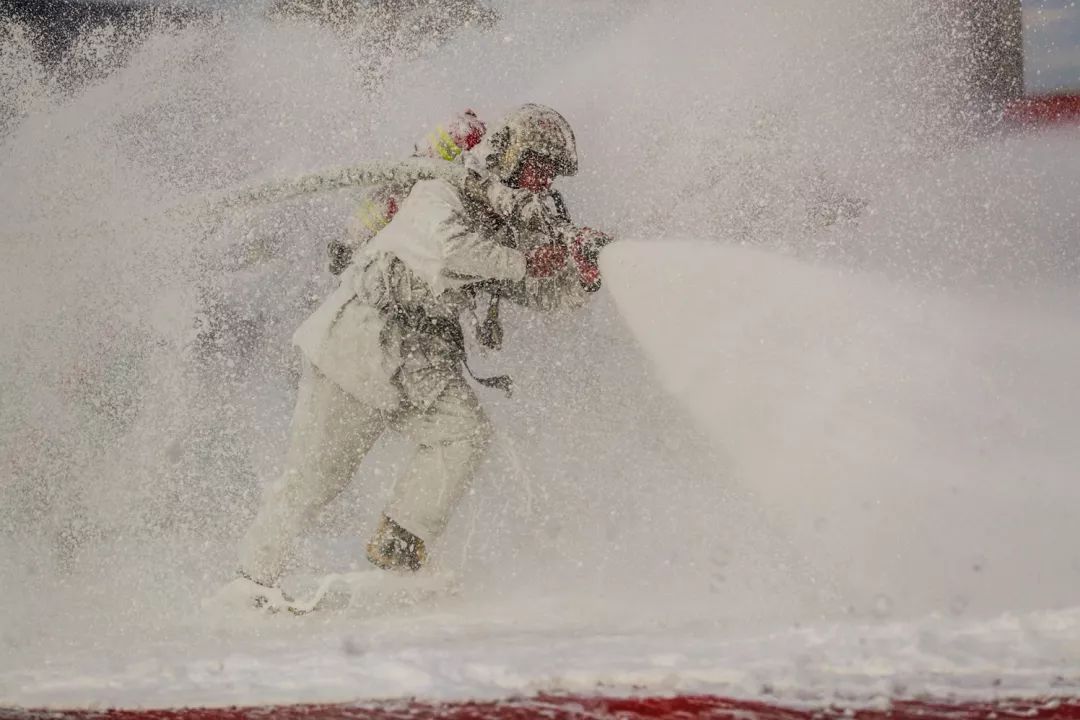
(532, 129)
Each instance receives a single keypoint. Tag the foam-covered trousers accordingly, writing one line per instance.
(332, 431)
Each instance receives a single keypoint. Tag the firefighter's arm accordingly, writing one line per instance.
(475, 256)
(431, 236)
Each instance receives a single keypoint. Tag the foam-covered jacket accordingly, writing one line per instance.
(391, 331)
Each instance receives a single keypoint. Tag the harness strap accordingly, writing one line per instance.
(489, 332)
(497, 382)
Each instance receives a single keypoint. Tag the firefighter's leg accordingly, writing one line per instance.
(330, 434)
(452, 436)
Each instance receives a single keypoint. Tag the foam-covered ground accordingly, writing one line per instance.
(847, 450)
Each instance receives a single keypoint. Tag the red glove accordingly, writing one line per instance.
(545, 260)
(585, 249)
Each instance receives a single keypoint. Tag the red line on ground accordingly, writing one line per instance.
(575, 707)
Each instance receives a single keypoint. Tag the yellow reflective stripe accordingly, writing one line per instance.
(377, 222)
(364, 213)
(438, 146)
(373, 217)
(444, 144)
(451, 146)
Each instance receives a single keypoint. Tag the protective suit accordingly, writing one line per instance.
(386, 349)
